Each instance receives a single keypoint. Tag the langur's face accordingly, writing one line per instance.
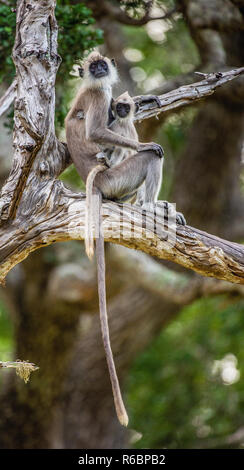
(122, 109)
(98, 68)
(98, 71)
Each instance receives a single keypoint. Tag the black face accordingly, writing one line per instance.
(122, 109)
(99, 68)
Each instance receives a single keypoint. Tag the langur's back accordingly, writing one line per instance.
(83, 152)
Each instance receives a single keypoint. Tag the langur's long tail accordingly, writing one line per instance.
(89, 214)
(118, 401)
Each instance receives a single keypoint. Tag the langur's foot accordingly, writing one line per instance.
(166, 209)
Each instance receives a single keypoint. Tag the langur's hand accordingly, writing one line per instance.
(152, 147)
(149, 99)
(102, 159)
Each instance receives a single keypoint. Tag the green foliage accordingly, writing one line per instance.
(173, 137)
(71, 177)
(176, 53)
(172, 54)
(6, 334)
(180, 390)
(77, 35)
(7, 34)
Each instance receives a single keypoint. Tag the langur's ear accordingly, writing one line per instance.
(81, 71)
(137, 107)
(113, 62)
(112, 103)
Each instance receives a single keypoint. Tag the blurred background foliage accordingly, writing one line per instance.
(185, 389)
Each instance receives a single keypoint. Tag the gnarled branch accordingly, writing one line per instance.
(186, 95)
(56, 214)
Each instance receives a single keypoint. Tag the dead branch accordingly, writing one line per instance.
(56, 214)
(186, 95)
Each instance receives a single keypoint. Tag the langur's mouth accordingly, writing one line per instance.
(100, 74)
(122, 114)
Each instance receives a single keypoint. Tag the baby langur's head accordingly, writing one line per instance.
(98, 70)
(124, 107)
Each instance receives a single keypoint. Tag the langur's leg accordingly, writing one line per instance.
(125, 178)
(142, 170)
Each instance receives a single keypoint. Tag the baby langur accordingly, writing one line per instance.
(123, 109)
(122, 122)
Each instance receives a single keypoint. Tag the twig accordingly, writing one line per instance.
(23, 368)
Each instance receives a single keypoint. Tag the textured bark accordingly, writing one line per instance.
(200, 251)
(36, 60)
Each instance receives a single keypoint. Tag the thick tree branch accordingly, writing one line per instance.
(55, 214)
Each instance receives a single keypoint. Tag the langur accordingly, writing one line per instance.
(86, 137)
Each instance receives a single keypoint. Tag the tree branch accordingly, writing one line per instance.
(119, 15)
(113, 12)
(56, 214)
(8, 97)
(186, 95)
(172, 286)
